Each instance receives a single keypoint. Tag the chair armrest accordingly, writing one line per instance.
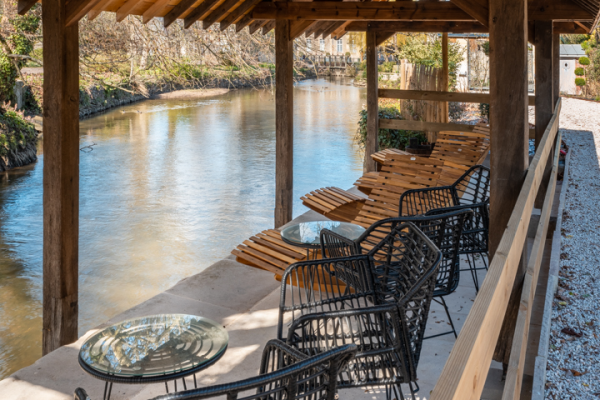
(419, 201)
(324, 285)
(277, 355)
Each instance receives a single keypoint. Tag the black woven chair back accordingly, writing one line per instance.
(474, 186)
(406, 276)
(285, 373)
(325, 285)
(443, 227)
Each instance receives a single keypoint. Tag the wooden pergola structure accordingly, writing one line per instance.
(515, 184)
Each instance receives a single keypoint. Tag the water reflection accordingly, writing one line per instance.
(169, 188)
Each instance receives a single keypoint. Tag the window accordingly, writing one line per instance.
(322, 44)
(340, 46)
(309, 43)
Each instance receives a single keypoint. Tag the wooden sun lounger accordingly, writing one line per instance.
(334, 203)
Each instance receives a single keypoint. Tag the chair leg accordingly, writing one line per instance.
(442, 302)
(391, 390)
(413, 391)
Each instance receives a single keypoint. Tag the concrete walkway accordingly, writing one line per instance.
(245, 300)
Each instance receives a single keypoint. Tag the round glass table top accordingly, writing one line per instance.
(155, 345)
(309, 233)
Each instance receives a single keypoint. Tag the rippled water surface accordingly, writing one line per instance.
(169, 188)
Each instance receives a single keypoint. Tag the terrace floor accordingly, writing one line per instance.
(245, 300)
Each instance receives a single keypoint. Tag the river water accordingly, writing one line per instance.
(168, 188)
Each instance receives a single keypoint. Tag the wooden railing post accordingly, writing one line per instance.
(544, 86)
(61, 177)
(284, 123)
(372, 145)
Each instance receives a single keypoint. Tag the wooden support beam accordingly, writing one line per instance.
(478, 9)
(555, 66)
(218, 13)
(382, 37)
(569, 28)
(423, 125)
(154, 10)
(23, 6)
(178, 11)
(335, 26)
(284, 123)
(417, 26)
(544, 98)
(372, 143)
(297, 28)
(61, 177)
(346, 11)
(237, 14)
(431, 95)
(341, 31)
(445, 72)
(199, 12)
(557, 10)
(509, 140)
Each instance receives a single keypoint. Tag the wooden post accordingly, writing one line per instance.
(445, 72)
(372, 145)
(544, 97)
(555, 68)
(509, 133)
(284, 123)
(61, 177)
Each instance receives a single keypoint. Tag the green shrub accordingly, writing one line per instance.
(484, 110)
(387, 66)
(584, 61)
(580, 82)
(15, 131)
(579, 71)
(388, 138)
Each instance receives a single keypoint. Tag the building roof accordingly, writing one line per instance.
(571, 51)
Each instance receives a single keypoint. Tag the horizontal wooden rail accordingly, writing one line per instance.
(463, 97)
(466, 369)
(430, 126)
(514, 375)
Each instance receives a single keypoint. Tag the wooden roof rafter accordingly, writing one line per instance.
(409, 16)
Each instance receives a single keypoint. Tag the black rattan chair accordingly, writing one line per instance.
(444, 230)
(380, 306)
(471, 190)
(285, 373)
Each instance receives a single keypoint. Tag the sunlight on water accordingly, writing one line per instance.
(169, 188)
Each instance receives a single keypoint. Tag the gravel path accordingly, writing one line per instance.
(573, 370)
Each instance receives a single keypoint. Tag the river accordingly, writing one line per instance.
(167, 188)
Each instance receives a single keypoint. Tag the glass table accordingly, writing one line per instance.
(308, 234)
(157, 348)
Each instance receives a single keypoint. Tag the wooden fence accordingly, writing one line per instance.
(465, 372)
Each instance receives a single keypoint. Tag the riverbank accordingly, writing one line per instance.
(18, 140)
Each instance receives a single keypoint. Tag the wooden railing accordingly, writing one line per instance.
(429, 95)
(465, 372)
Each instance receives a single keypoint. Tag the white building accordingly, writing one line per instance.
(569, 60)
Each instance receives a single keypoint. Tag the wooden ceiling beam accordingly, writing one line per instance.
(268, 27)
(23, 6)
(313, 28)
(478, 9)
(322, 28)
(382, 37)
(77, 10)
(219, 12)
(178, 11)
(238, 13)
(242, 23)
(256, 25)
(97, 9)
(202, 10)
(297, 28)
(556, 10)
(341, 31)
(371, 10)
(126, 9)
(417, 26)
(333, 28)
(154, 10)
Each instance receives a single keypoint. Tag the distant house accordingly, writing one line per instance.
(569, 60)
